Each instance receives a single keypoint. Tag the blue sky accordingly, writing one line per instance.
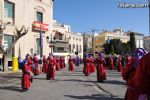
(83, 15)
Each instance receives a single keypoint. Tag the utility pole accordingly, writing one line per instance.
(93, 31)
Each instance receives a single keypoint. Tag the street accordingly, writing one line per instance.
(66, 86)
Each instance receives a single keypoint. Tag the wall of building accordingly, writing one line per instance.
(25, 14)
(76, 39)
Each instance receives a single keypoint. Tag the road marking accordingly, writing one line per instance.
(97, 89)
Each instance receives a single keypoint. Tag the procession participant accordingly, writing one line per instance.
(111, 63)
(51, 67)
(71, 64)
(87, 65)
(119, 64)
(45, 66)
(92, 66)
(129, 75)
(26, 76)
(84, 63)
(35, 62)
(101, 71)
(142, 78)
(62, 62)
(57, 63)
(77, 61)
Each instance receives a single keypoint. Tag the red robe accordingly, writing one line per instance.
(92, 66)
(142, 75)
(57, 64)
(119, 65)
(35, 70)
(101, 71)
(128, 76)
(111, 63)
(84, 63)
(26, 77)
(62, 62)
(45, 66)
(71, 64)
(51, 68)
(87, 67)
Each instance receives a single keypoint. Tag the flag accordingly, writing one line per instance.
(40, 37)
(19, 52)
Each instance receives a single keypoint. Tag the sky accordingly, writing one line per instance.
(85, 15)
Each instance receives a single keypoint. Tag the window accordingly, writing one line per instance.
(77, 48)
(8, 39)
(73, 46)
(37, 46)
(39, 17)
(8, 9)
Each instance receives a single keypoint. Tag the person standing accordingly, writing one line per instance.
(119, 64)
(57, 63)
(71, 64)
(26, 70)
(92, 66)
(111, 63)
(101, 71)
(77, 61)
(86, 68)
(129, 75)
(142, 78)
(62, 62)
(51, 67)
(35, 62)
(45, 66)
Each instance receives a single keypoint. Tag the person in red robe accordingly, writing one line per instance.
(119, 64)
(111, 63)
(57, 63)
(26, 76)
(129, 75)
(62, 62)
(51, 67)
(71, 64)
(84, 64)
(92, 66)
(101, 70)
(87, 65)
(45, 66)
(35, 62)
(142, 78)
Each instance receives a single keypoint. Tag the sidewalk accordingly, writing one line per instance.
(113, 86)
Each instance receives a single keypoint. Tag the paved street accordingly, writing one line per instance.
(66, 86)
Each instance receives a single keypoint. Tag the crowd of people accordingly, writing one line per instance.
(134, 69)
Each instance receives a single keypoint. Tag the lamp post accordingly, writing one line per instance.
(50, 41)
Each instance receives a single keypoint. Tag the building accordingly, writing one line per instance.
(138, 38)
(60, 39)
(37, 15)
(87, 43)
(105, 36)
(147, 43)
(66, 42)
(75, 44)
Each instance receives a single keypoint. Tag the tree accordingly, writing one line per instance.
(17, 35)
(132, 42)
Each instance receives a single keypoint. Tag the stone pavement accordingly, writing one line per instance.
(67, 86)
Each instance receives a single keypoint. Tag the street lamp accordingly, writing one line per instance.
(50, 41)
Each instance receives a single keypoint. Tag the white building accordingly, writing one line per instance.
(138, 39)
(75, 44)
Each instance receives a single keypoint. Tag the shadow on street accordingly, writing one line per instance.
(12, 88)
(95, 97)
